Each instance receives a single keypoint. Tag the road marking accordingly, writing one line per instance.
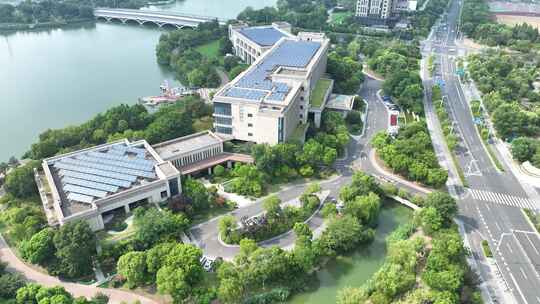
(523, 273)
(509, 248)
(498, 226)
(502, 198)
(532, 245)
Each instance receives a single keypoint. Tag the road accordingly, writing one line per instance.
(359, 156)
(491, 207)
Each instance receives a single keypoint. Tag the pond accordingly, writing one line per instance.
(356, 268)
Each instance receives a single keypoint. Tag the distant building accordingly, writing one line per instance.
(376, 12)
(249, 43)
(271, 100)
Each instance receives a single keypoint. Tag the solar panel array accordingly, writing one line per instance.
(93, 175)
(263, 36)
(290, 53)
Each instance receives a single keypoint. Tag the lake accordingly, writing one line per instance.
(356, 268)
(59, 77)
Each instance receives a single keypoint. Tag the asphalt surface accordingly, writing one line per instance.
(357, 157)
(491, 207)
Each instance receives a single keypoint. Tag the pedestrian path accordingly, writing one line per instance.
(501, 198)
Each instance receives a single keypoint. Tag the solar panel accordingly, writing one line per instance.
(143, 162)
(80, 198)
(89, 184)
(96, 178)
(290, 53)
(86, 191)
(112, 168)
(264, 36)
(71, 167)
(115, 163)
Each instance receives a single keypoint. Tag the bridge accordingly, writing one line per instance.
(179, 20)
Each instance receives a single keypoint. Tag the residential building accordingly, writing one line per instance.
(270, 101)
(249, 43)
(381, 11)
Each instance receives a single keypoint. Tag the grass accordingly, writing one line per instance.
(339, 17)
(493, 156)
(209, 50)
(459, 170)
(486, 249)
(318, 94)
(210, 213)
(299, 132)
(535, 219)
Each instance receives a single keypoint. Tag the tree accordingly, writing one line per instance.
(432, 221)
(524, 148)
(272, 206)
(226, 225)
(155, 257)
(197, 193)
(20, 182)
(364, 208)
(132, 266)
(343, 234)
(445, 205)
(230, 290)
(180, 271)
(219, 170)
(75, 245)
(350, 295)
(9, 284)
(154, 225)
(40, 248)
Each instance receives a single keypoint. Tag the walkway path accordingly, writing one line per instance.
(78, 290)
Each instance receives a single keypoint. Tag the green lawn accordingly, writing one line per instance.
(338, 18)
(317, 96)
(209, 50)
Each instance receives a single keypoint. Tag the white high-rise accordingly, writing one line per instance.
(381, 9)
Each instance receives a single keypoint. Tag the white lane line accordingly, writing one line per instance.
(532, 245)
(523, 273)
(509, 248)
(498, 226)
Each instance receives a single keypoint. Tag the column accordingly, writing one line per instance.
(126, 208)
(210, 171)
(317, 117)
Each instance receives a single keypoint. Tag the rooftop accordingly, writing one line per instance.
(256, 83)
(179, 146)
(263, 36)
(340, 102)
(88, 175)
(319, 92)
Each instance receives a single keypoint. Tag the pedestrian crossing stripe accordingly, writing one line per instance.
(501, 198)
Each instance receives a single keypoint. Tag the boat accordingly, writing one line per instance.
(169, 95)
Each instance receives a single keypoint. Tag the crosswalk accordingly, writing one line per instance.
(505, 199)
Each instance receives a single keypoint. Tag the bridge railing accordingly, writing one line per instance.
(102, 11)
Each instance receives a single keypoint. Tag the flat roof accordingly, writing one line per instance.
(263, 35)
(172, 148)
(88, 175)
(340, 102)
(256, 83)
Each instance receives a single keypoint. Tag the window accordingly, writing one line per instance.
(250, 134)
(302, 98)
(222, 108)
(301, 107)
(223, 130)
(301, 115)
(223, 120)
(250, 115)
(163, 194)
(250, 125)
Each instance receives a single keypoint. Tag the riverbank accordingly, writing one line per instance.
(13, 27)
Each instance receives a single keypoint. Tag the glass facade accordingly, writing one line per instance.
(223, 130)
(222, 108)
(223, 120)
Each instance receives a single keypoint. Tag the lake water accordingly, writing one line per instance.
(54, 78)
(356, 268)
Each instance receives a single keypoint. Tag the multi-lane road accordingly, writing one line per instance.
(490, 207)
